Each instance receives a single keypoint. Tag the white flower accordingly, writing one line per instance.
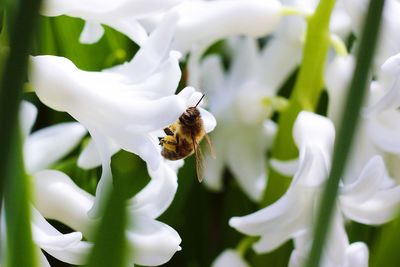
(244, 132)
(125, 106)
(122, 15)
(42, 149)
(371, 198)
(153, 242)
(215, 20)
(389, 41)
(231, 258)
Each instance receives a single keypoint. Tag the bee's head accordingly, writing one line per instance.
(190, 116)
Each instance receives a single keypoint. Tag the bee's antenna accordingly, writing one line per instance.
(200, 100)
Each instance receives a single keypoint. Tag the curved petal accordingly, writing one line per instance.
(337, 87)
(246, 161)
(314, 130)
(90, 158)
(76, 254)
(156, 197)
(379, 209)
(42, 259)
(58, 198)
(208, 119)
(122, 15)
(105, 185)
(215, 20)
(153, 242)
(91, 33)
(230, 258)
(286, 215)
(213, 167)
(27, 117)
(367, 183)
(279, 59)
(384, 130)
(101, 98)
(287, 167)
(48, 145)
(46, 236)
(392, 65)
(244, 61)
(357, 255)
(152, 53)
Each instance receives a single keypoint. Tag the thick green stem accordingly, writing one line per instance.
(305, 95)
(19, 246)
(347, 128)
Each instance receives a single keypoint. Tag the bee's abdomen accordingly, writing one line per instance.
(181, 151)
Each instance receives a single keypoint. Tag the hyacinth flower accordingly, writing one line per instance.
(149, 242)
(372, 198)
(58, 198)
(229, 257)
(125, 106)
(389, 41)
(42, 149)
(236, 99)
(124, 16)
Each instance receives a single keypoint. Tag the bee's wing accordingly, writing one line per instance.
(210, 146)
(199, 160)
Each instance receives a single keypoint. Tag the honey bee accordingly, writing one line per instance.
(183, 138)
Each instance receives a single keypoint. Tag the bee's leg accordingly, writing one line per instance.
(160, 140)
(168, 131)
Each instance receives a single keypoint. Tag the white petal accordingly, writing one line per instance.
(213, 167)
(42, 259)
(230, 258)
(282, 219)
(208, 119)
(58, 198)
(337, 78)
(244, 60)
(76, 254)
(87, 95)
(246, 161)
(212, 80)
(156, 197)
(153, 242)
(130, 27)
(91, 33)
(314, 130)
(367, 183)
(379, 209)
(392, 65)
(287, 167)
(121, 15)
(48, 145)
(389, 101)
(271, 241)
(90, 158)
(46, 236)
(279, 59)
(105, 185)
(155, 49)
(215, 20)
(384, 130)
(357, 255)
(27, 117)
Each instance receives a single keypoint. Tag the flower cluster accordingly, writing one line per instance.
(127, 107)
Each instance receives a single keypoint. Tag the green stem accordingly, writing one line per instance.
(20, 250)
(305, 95)
(111, 246)
(347, 128)
(17, 195)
